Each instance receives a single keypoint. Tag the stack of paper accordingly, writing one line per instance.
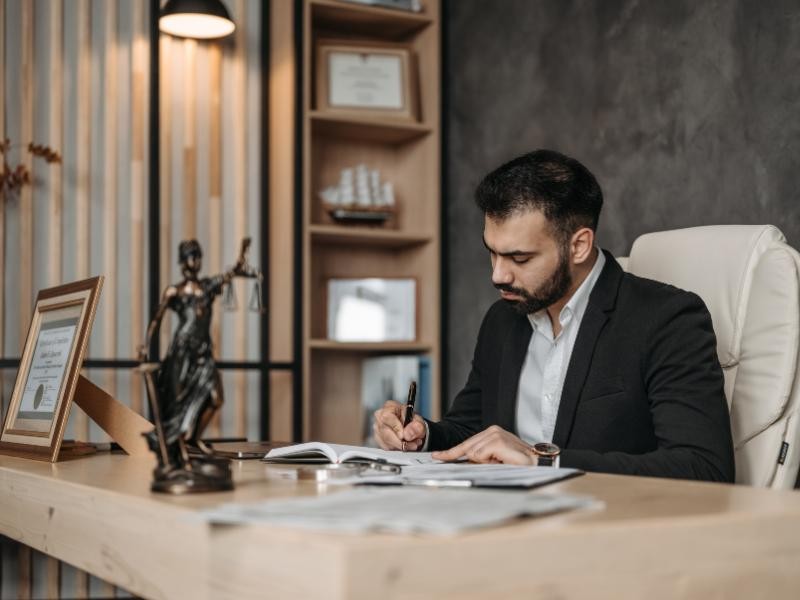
(398, 510)
(464, 475)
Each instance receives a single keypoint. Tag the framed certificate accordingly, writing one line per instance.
(49, 369)
(365, 78)
(372, 309)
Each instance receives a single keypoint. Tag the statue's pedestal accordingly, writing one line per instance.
(204, 474)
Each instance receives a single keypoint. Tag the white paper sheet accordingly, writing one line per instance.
(465, 475)
(398, 510)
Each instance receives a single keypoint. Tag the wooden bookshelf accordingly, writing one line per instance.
(407, 153)
(369, 21)
(394, 347)
(344, 235)
(365, 128)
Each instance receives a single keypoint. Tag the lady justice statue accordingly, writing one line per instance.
(185, 390)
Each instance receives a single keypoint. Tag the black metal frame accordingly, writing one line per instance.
(264, 225)
(444, 326)
(297, 382)
(154, 173)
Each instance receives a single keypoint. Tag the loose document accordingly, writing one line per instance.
(464, 475)
(398, 510)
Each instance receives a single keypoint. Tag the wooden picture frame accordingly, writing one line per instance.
(375, 79)
(49, 370)
(372, 309)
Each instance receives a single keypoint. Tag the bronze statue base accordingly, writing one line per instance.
(205, 474)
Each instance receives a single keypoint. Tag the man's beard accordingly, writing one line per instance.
(550, 292)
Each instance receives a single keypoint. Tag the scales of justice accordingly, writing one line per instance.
(184, 389)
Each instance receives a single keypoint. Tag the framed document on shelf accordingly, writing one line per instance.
(50, 369)
(366, 78)
(372, 309)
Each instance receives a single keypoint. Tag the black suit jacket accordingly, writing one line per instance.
(643, 393)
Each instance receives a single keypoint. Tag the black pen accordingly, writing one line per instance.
(412, 398)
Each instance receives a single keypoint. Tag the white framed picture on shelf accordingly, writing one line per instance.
(367, 78)
(372, 309)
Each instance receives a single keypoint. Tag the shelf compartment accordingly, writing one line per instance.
(341, 235)
(334, 346)
(371, 129)
(351, 18)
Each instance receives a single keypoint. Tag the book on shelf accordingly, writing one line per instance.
(320, 452)
(388, 378)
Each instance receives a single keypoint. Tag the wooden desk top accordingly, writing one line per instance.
(655, 538)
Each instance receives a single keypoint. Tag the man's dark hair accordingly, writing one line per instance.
(559, 186)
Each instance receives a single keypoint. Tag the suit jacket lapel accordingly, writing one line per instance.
(515, 348)
(601, 301)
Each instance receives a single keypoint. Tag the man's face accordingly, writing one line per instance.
(528, 267)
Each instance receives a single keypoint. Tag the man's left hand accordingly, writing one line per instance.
(492, 445)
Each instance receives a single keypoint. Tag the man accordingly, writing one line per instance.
(617, 373)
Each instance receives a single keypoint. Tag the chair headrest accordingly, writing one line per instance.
(715, 262)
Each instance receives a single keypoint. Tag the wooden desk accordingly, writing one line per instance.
(655, 539)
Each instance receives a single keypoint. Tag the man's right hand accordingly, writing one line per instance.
(389, 432)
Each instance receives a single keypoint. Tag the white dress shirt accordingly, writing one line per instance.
(542, 377)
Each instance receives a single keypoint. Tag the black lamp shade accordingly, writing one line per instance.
(202, 19)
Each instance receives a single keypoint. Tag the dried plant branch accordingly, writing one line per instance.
(13, 179)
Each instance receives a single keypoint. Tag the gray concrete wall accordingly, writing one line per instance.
(687, 112)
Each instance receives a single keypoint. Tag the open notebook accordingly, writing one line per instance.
(320, 452)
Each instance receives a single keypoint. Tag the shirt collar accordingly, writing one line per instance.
(577, 304)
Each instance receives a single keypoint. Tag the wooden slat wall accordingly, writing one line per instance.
(240, 209)
(83, 193)
(109, 200)
(165, 191)
(189, 140)
(55, 140)
(110, 105)
(83, 156)
(95, 221)
(139, 105)
(25, 208)
(215, 193)
(282, 71)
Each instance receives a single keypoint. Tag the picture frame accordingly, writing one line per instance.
(375, 79)
(49, 370)
(372, 309)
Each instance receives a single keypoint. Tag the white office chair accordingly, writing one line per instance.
(750, 280)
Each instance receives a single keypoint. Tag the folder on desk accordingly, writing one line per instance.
(465, 475)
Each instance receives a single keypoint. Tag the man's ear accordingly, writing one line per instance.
(581, 245)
